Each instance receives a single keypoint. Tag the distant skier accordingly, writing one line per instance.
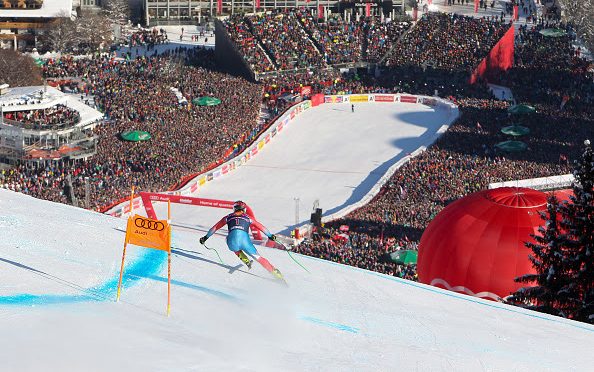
(352, 108)
(238, 240)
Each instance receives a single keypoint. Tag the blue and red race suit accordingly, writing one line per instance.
(238, 238)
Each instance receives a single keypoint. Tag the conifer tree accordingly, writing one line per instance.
(563, 252)
(551, 278)
(578, 224)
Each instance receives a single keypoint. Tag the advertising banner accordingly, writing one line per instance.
(408, 99)
(383, 98)
(317, 99)
(359, 98)
(146, 232)
(333, 99)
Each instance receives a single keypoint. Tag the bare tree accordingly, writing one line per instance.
(95, 30)
(60, 36)
(580, 13)
(118, 11)
(17, 69)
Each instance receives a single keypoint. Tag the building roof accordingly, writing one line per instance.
(49, 9)
(30, 98)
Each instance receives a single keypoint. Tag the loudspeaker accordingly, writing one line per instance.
(316, 217)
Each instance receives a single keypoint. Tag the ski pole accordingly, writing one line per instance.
(293, 258)
(212, 249)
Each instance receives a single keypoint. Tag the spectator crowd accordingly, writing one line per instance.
(436, 54)
(136, 95)
(58, 116)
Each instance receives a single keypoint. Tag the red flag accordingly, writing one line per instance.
(367, 9)
(415, 13)
(320, 11)
(476, 5)
(257, 3)
(219, 6)
(306, 90)
(516, 12)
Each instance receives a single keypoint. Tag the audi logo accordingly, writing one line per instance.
(149, 224)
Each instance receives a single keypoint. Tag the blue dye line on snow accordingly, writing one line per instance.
(339, 326)
(150, 263)
(458, 296)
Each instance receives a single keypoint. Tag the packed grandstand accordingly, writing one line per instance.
(435, 55)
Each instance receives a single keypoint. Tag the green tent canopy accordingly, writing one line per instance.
(515, 130)
(135, 136)
(521, 109)
(404, 257)
(512, 146)
(206, 101)
(552, 32)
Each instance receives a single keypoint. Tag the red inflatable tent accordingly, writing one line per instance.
(476, 244)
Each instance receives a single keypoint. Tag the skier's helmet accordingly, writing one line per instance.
(239, 206)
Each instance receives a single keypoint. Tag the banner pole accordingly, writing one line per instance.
(124, 252)
(122, 270)
(131, 200)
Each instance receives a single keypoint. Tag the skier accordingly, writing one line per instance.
(352, 108)
(238, 239)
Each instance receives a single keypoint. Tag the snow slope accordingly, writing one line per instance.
(59, 268)
(328, 154)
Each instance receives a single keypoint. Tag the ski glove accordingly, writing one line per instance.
(203, 239)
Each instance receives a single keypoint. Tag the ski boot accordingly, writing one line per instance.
(278, 274)
(244, 258)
